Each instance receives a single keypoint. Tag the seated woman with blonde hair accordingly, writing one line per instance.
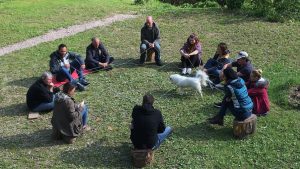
(257, 90)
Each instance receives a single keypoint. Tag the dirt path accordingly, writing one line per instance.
(64, 32)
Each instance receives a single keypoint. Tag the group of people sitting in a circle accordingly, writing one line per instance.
(245, 90)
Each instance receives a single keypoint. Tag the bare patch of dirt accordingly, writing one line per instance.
(294, 96)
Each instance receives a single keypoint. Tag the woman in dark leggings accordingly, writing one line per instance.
(191, 54)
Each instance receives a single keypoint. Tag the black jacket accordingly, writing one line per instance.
(96, 55)
(55, 60)
(150, 35)
(38, 93)
(146, 123)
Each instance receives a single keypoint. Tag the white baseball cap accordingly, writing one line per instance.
(241, 54)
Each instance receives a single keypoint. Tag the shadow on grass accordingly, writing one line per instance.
(174, 93)
(170, 67)
(100, 155)
(204, 131)
(41, 138)
(19, 109)
(26, 82)
(134, 63)
(280, 94)
(126, 63)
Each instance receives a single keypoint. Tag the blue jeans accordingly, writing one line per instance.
(162, 137)
(143, 50)
(44, 107)
(212, 70)
(239, 114)
(84, 114)
(65, 73)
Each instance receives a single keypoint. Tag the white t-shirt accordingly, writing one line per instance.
(65, 60)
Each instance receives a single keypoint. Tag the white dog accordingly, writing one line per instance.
(201, 78)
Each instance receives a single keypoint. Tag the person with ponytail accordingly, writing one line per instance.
(258, 92)
(191, 54)
(214, 66)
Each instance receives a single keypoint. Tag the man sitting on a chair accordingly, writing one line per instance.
(148, 130)
(150, 40)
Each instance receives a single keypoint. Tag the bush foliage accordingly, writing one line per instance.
(277, 10)
(234, 4)
(273, 10)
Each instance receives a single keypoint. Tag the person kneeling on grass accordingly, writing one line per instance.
(63, 63)
(97, 56)
(40, 96)
(148, 130)
(191, 54)
(257, 90)
(69, 118)
(236, 99)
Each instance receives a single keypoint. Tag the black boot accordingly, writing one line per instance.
(56, 135)
(80, 87)
(217, 120)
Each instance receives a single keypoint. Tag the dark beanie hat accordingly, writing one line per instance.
(230, 74)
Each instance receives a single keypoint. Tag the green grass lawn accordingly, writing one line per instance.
(273, 47)
(20, 19)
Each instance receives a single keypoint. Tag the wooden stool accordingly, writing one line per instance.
(150, 56)
(33, 115)
(141, 158)
(243, 128)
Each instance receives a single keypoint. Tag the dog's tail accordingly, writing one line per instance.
(203, 77)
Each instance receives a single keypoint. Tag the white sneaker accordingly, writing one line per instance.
(189, 71)
(183, 71)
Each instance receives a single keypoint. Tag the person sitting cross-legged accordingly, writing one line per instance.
(236, 99)
(63, 63)
(191, 54)
(97, 56)
(40, 96)
(148, 129)
(69, 118)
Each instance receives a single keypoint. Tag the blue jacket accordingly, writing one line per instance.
(56, 60)
(237, 91)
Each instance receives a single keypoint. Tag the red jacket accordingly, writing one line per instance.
(259, 95)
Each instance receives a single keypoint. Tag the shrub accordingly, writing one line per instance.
(289, 9)
(262, 7)
(277, 10)
(234, 4)
(140, 1)
(190, 3)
